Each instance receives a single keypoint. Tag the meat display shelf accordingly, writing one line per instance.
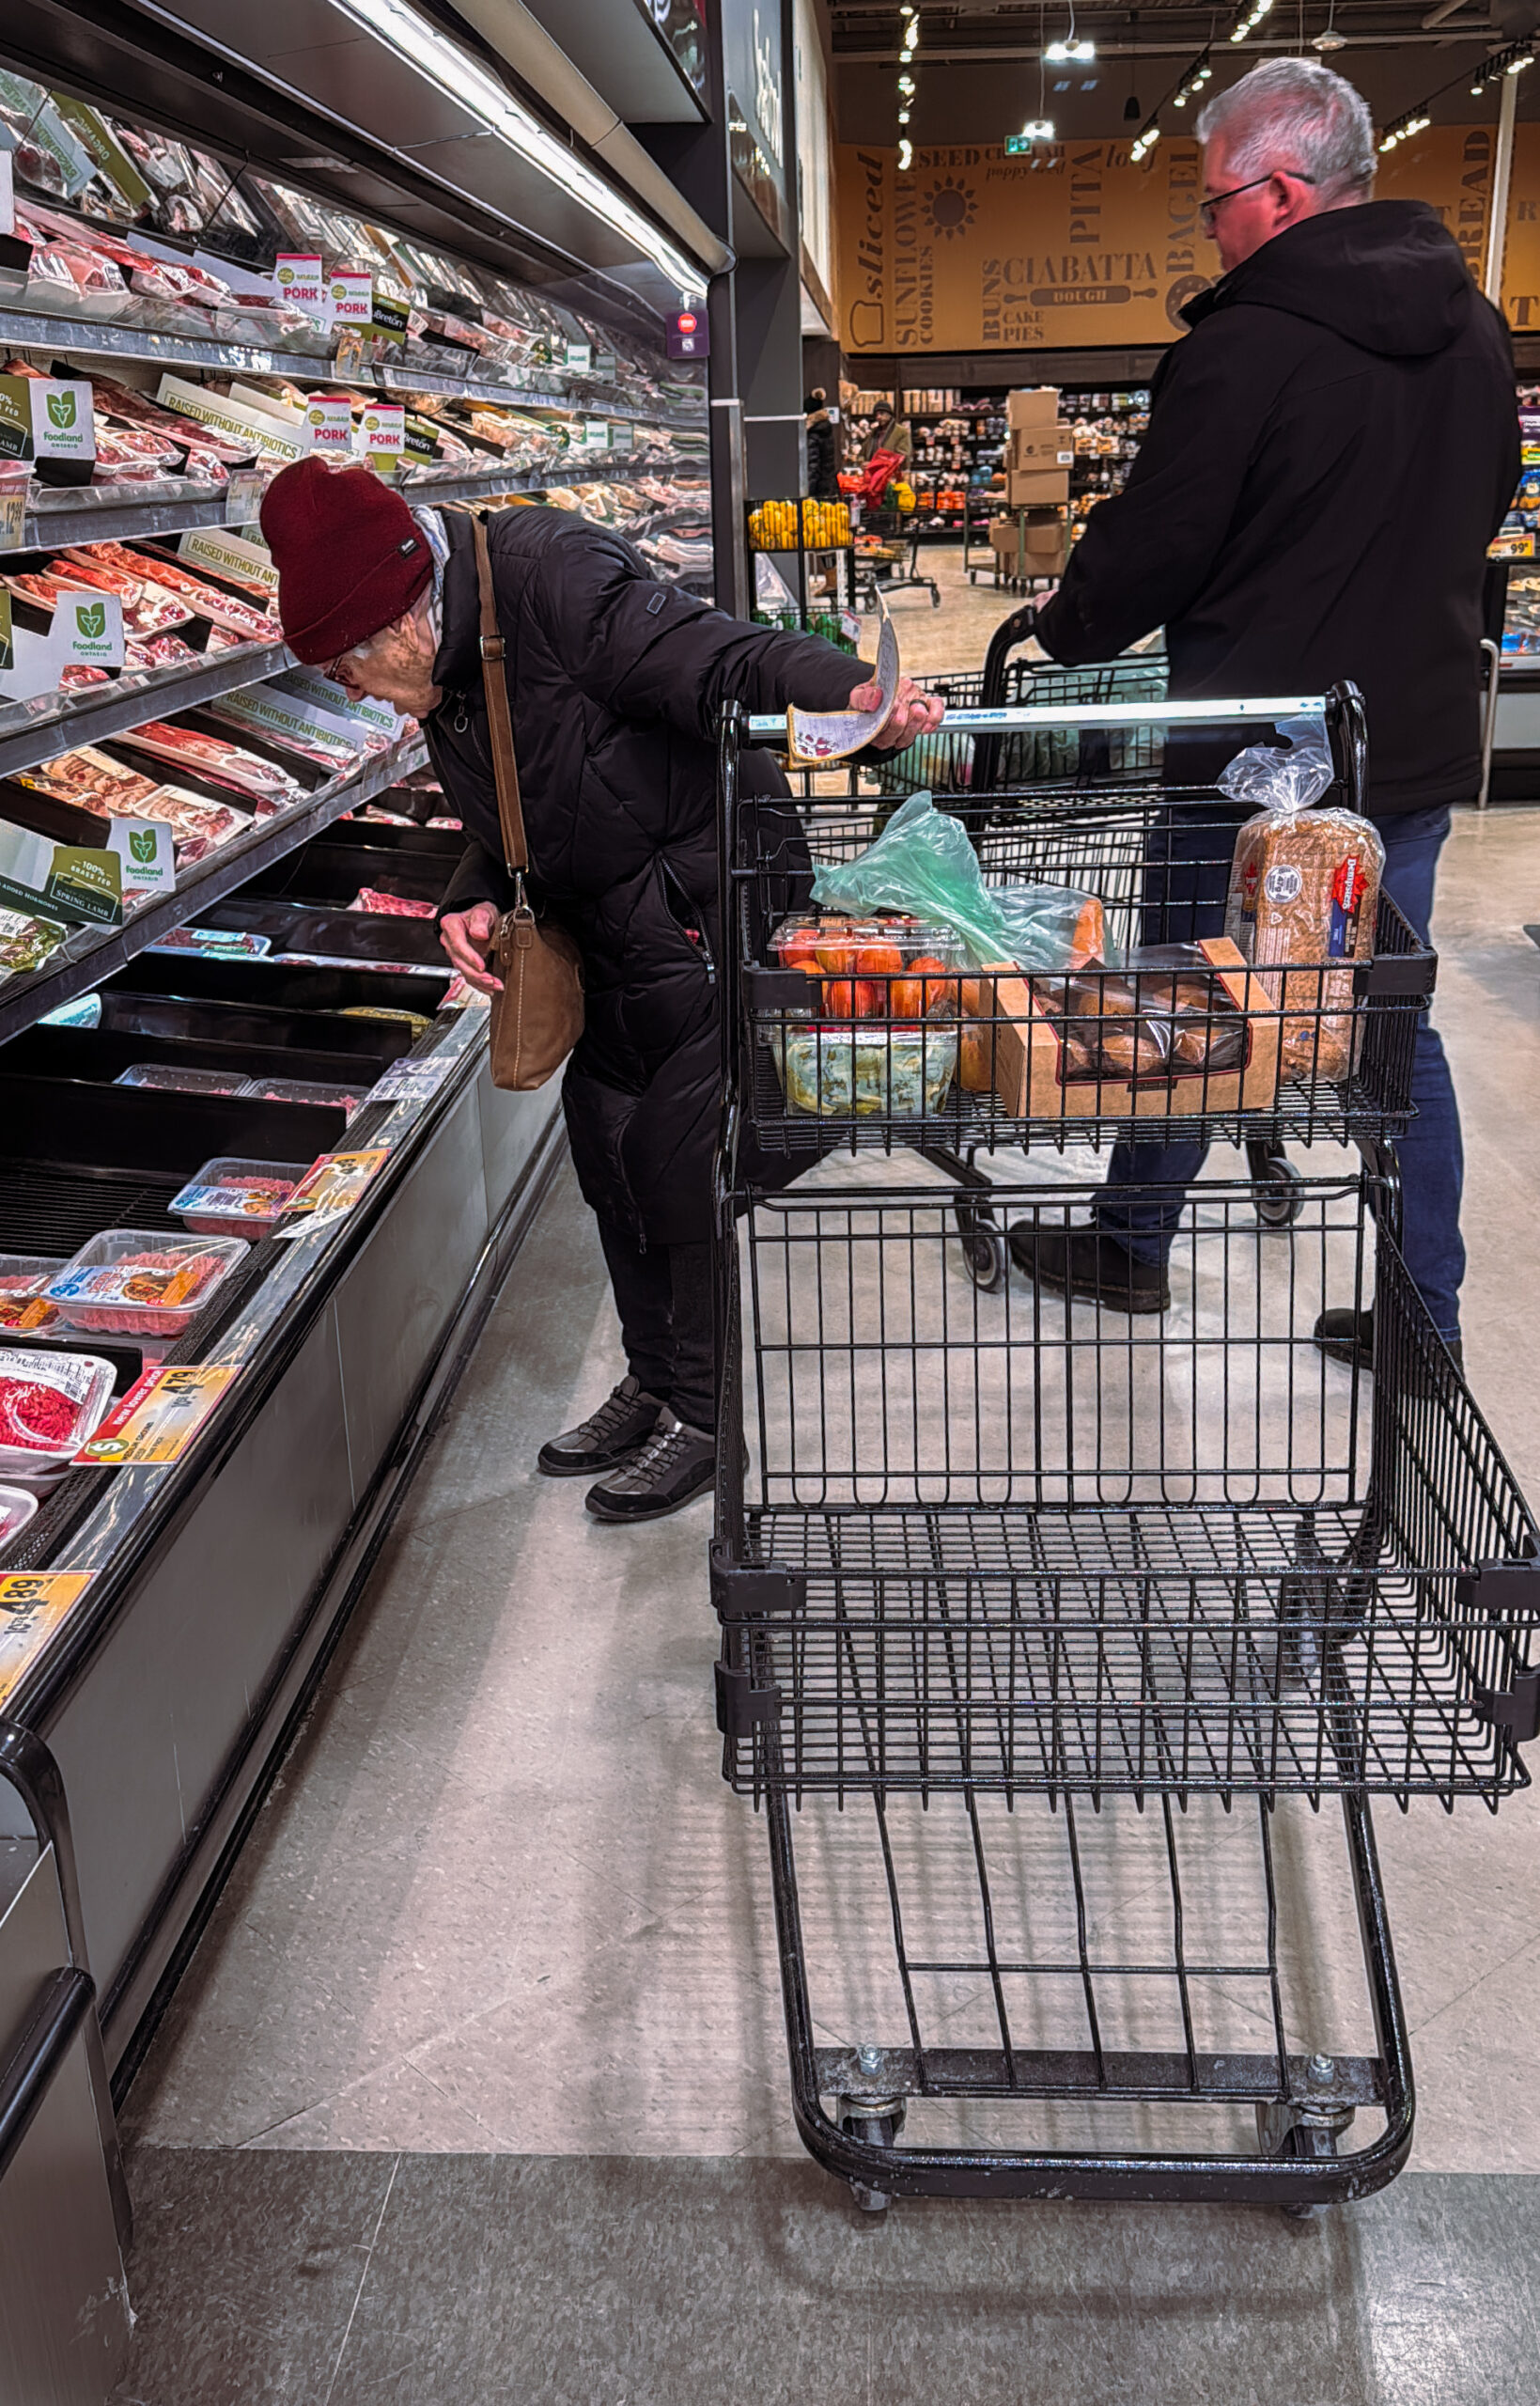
(88, 338)
(91, 954)
(38, 730)
(69, 516)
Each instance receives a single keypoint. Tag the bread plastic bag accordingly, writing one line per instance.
(1304, 886)
(924, 863)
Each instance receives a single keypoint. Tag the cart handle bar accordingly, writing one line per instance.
(1004, 722)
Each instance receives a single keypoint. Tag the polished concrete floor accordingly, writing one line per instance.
(477, 2088)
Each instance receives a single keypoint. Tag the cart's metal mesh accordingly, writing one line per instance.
(1158, 860)
(1032, 1546)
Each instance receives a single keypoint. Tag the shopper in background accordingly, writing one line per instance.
(888, 433)
(616, 684)
(1329, 453)
(822, 447)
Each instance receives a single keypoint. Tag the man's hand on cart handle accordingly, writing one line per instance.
(465, 935)
(914, 713)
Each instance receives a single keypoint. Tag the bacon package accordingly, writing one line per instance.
(223, 764)
(93, 781)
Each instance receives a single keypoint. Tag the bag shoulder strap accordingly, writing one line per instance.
(510, 812)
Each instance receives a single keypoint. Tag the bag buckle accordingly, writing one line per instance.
(491, 647)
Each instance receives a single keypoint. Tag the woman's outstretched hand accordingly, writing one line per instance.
(913, 714)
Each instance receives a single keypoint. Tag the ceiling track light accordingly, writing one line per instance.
(906, 156)
(1517, 57)
(1145, 142)
(1252, 18)
(465, 80)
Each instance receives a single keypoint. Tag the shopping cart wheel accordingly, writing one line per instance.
(983, 1248)
(1301, 2134)
(875, 2125)
(1279, 1189)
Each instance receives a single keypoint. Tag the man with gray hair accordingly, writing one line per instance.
(1331, 451)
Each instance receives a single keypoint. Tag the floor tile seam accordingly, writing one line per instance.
(1426, 2021)
(369, 2257)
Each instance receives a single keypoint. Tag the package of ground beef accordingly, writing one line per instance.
(1304, 889)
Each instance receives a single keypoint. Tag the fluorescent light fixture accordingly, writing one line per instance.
(906, 156)
(463, 79)
(1058, 53)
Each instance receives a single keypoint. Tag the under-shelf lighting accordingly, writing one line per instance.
(465, 80)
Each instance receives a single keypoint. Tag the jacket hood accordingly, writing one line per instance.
(1386, 275)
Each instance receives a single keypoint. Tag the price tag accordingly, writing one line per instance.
(383, 433)
(13, 493)
(243, 495)
(32, 1604)
(161, 1414)
(409, 1081)
(330, 1189)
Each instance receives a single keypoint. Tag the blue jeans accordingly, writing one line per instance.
(1431, 1154)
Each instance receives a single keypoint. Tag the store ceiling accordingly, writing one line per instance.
(979, 73)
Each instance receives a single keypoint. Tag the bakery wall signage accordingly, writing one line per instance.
(974, 251)
(1072, 244)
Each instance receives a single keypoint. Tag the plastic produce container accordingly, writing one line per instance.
(142, 1283)
(49, 1403)
(16, 1507)
(164, 1077)
(230, 1197)
(834, 1071)
(348, 1099)
(24, 1309)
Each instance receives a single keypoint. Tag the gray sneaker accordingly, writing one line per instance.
(677, 1465)
(611, 1435)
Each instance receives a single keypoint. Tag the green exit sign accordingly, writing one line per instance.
(1016, 144)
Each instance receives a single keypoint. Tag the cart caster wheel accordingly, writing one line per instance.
(1309, 2138)
(983, 1252)
(1281, 1194)
(856, 2120)
(935, 598)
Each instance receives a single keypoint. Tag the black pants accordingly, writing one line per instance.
(663, 1296)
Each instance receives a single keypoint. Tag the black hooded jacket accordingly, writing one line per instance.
(822, 457)
(1329, 453)
(616, 684)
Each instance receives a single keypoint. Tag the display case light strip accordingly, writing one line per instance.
(463, 79)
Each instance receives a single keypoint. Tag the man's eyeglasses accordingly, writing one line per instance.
(1208, 210)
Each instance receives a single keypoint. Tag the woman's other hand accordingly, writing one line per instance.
(914, 713)
(465, 935)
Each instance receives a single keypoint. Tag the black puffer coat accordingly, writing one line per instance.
(822, 457)
(617, 682)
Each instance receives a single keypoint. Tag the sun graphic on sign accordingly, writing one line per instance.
(950, 206)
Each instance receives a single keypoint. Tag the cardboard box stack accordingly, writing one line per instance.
(1039, 451)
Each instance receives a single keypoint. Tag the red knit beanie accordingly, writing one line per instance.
(349, 556)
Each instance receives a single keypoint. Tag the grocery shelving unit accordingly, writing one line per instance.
(765, 541)
(176, 1615)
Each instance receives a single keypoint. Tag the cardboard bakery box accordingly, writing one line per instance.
(1034, 405)
(1014, 1046)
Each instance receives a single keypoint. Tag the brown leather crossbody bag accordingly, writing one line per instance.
(537, 1018)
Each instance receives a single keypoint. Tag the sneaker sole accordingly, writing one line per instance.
(1114, 1299)
(616, 1516)
(592, 1465)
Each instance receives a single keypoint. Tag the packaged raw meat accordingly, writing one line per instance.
(303, 1090)
(396, 906)
(157, 651)
(233, 1197)
(167, 1077)
(16, 1509)
(25, 943)
(240, 619)
(1304, 887)
(90, 779)
(148, 609)
(49, 1403)
(80, 672)
(221, 764)
(141, 1283)
(24, 1309)
(193, 820)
